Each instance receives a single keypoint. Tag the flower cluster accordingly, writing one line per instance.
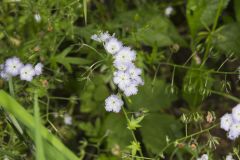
(126, 76)
(14, 67)
(203, 157)
(229, 157)
(231, 123)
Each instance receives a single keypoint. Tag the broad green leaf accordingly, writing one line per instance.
(159, 31)
(227, 38)
(53, 147)
(118, 134)
(152, 96)
(202, 13)
(156, 127)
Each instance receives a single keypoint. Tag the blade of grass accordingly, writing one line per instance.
(26, 119)
(38, 137)
(85, 10)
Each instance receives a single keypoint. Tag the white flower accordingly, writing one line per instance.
(203, 157)
(104, 36)
(234, 131)
(113, 103)
(229, 157)
(226, 121)
(138, 81)
(122, 66)
(130, 90)
(112, 46)
(37, 17)
(168, 11)
(95, 37)
(4, 75)
(134, 72)
(38, 69)
(236, 113)
(67, 119)
(5, 158)
(27, 72)
(122, 79)
(13, 66)
(125, 55)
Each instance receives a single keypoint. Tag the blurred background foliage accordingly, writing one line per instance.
(179, 76)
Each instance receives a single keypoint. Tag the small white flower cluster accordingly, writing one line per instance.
(203, 157)
(14, 67)
(168, 11)
(127, 76)
(229, 157)
(231, 123)
(67, 119)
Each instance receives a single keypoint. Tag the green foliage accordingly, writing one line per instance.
(227, 37)
(53, 147)
(153, 96)
(202, 13)
(155, 139)
(189, 58)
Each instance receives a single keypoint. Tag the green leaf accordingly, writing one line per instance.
(38, 136)
(66, 61)
(237, 9)
(152, 96)
(53, 147)
(227, 38)
(202, 13)
(134, 123)
(116, 126)
(156, 127)
(159, 31)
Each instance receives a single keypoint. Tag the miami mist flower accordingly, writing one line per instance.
(113, 103)
(38, 69)
(27, 72)
(112, 46)
(12, 66)
(226, 121)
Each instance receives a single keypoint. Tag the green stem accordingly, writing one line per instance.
(198, 69)
(226, 95)
(132, 132)
(187, 137)
(209, 38)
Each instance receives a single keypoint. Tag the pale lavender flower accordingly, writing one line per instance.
(113, 103)
(125, 55)
(27, 72)
(38, 69)
(12, 66)
(130, 90)
(112, 46)
(236, 113)
(67, 119)
(226, 121)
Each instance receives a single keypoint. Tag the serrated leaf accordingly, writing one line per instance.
(119, 135)
(152, 96)
(156, 127)
(201, 13)
(227, 38)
